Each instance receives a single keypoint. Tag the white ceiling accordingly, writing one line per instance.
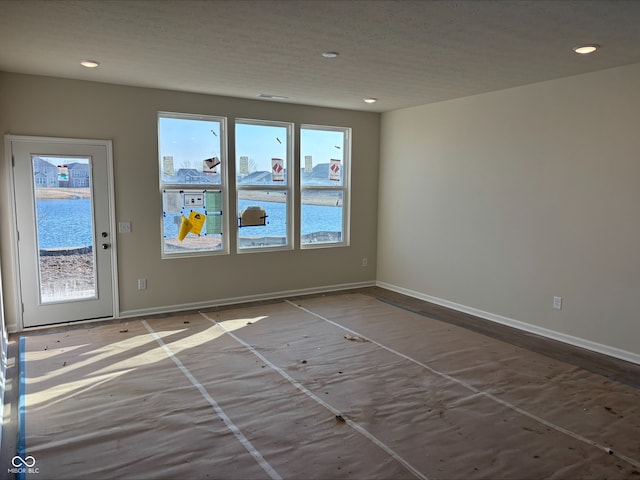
(405, 53)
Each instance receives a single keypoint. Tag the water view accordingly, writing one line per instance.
(65, 237)
(64, 223)
(67, 223)
(317, 218)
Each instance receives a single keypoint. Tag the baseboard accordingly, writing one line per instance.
(244, 299)
(527, 327)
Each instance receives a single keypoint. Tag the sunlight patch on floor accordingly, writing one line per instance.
(238, 323)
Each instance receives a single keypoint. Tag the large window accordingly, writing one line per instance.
(324, 186)
(263, 184)
(192, 155)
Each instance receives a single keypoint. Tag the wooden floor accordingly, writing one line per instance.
(611, 368)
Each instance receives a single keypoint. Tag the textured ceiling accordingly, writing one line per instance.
(405, 53)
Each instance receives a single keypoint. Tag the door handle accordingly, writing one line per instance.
(105, 246)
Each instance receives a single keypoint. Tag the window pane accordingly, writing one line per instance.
(192, 220)
(261, 154)
(322, 216)
(262, 218)
(263, 151)
(190, 150)
(324, 185)
(321, 157)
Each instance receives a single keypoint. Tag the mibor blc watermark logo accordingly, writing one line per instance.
(23, 465)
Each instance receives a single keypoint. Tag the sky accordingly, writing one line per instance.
(64, 160)
(191, 141)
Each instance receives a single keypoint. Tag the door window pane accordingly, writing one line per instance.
(64, 228)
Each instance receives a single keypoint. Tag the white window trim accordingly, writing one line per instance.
(345, 188)
(224, 186)
(291, 201)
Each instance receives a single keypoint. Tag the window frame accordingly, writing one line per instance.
(223, 186)
(287, 187)
(345, 188)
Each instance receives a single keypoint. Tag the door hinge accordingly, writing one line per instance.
(13, 161)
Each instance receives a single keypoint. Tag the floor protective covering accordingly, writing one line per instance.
(331, 387)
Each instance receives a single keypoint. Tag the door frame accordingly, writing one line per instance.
(13, 231)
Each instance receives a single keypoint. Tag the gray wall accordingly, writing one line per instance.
(33, 105)
(497, 202)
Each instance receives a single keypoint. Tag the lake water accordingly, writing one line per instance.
(64, 223)
(316, 218)
(67, 223)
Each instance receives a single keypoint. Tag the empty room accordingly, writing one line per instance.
(319, 239)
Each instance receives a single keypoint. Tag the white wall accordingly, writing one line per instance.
(497, 202)
(33, 105)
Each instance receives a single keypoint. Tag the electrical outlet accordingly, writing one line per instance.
(557, 303)
(365, 262)
(124, 227)
(142, 284)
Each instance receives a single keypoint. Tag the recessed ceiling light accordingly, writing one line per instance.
(89, 63)
(370, 100)
(585, 49)
(330, 54)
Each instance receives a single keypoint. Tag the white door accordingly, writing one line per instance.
(63, 208)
